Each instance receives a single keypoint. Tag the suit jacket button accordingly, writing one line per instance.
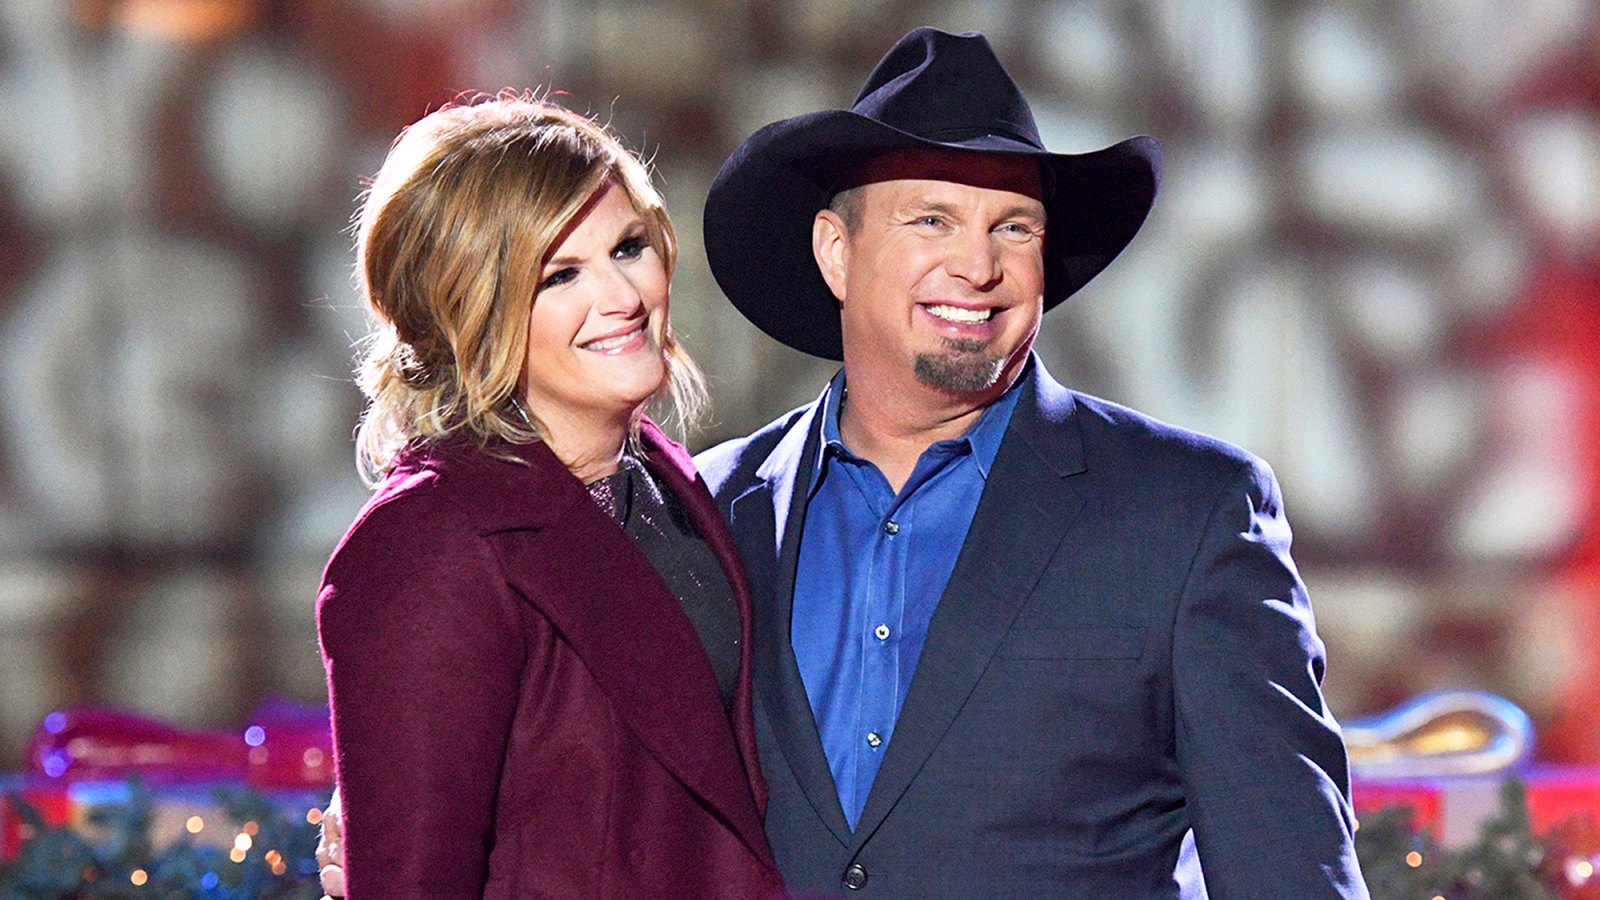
(855, 877)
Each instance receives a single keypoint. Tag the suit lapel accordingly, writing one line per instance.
(1028, 506)
(596, 588)
(767, 521)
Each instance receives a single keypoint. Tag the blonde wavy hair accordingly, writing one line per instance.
(450, 239)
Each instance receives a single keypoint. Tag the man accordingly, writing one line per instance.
(1011, 640)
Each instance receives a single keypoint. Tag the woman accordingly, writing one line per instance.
(536, 632)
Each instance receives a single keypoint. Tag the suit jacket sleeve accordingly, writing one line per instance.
(423, 649)
(1263, 763)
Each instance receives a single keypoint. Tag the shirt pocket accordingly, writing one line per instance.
(1080, 642)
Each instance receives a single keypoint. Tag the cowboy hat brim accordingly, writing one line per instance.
(760, 208)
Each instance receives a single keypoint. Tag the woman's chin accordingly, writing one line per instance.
(615, 392)
(636, 388)
(629, 400)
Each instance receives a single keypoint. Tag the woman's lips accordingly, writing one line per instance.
(618, 342)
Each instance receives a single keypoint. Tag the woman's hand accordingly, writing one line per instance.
(330, 849)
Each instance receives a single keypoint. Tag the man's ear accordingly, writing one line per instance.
(830, 244)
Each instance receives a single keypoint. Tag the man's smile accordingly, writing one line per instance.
(959, 313)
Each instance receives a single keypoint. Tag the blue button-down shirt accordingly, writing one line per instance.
(873, 565)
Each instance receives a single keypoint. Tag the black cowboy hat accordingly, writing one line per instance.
(932, 90)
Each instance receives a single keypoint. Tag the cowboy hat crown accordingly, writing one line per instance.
(932, 91)
(947, 88)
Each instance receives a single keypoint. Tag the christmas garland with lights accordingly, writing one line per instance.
(272, 854)
(1507, 861)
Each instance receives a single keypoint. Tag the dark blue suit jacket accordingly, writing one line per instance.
(1120, 687)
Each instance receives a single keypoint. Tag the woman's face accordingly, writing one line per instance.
(594, 334)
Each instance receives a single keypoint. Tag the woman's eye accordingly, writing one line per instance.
(558, 278)
(630, 248)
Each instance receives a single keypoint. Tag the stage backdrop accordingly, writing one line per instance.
(1375, 261)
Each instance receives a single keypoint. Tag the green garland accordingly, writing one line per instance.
(1506, 862)
(57, 862)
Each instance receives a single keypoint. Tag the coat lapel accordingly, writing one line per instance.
(671, 463)
(1028, 505)
(767, 521)
(596, 588)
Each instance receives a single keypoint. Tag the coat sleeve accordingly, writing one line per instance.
(1263, 762)
(424, 649)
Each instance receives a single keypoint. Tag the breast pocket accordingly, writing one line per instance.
(1080, 642)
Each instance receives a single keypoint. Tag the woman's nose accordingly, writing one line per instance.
(619, 294)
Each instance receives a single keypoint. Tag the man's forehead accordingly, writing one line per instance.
(991, 171)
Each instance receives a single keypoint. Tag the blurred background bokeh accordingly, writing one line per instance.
(1375, 262)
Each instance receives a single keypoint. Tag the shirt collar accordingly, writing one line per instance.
(983, 438)
(986, 434)
(832, 402)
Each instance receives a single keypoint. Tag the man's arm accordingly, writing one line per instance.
(1263, 763)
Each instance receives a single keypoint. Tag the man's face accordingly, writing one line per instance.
(940, 275)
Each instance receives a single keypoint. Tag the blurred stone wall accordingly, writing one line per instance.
(1374, 262)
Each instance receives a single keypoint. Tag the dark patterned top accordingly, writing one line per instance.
(662, 531)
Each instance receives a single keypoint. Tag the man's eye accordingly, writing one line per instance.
(558, 278)
(630, 248)
(1015, 229)
(930, 221)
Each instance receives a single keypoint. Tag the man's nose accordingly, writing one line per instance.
(974, 258)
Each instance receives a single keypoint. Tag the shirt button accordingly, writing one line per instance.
(855, 877)
(874, 739)
(881, 632)
(891, 527)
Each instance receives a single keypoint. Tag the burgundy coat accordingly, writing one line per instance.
(521, 708)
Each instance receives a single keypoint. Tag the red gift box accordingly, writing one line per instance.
(1455, 807)
(52, 803)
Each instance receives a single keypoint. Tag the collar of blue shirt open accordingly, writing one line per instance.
(982, 439)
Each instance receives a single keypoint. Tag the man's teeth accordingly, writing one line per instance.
(612, 343)
(959, 313)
